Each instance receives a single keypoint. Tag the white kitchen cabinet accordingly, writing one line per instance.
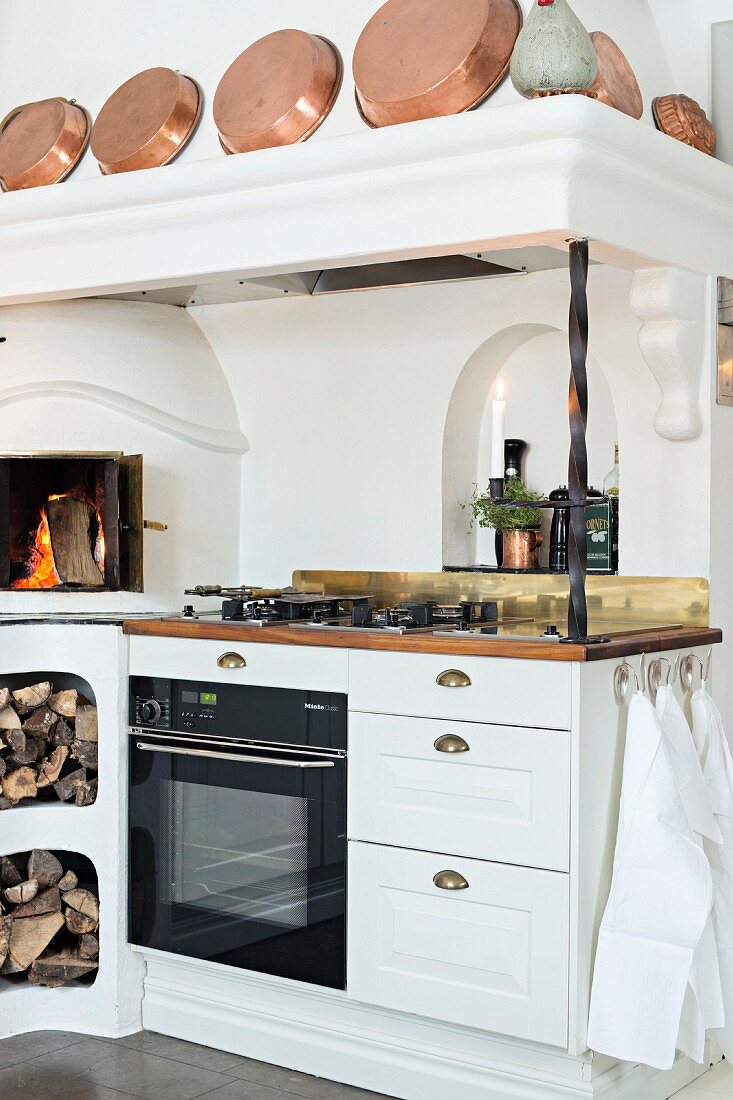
(493, 955)
(302, 667)
(503, 691)
(500, 793)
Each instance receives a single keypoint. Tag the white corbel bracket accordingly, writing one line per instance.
(672, 305)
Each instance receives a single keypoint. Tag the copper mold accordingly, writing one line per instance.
(278, 92)
(684, 119)
(147, 121)
(41, 143)
(418, 59)
(616, 84)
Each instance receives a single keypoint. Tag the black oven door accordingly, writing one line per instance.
(238, 855)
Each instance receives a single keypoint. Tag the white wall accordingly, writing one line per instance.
(122, 376)
(345, 400)
(86, 50)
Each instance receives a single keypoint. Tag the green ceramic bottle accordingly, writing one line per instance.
(553, 53)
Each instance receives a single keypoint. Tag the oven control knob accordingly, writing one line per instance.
(150, 712)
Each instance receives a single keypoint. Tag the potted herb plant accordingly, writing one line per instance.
(519, 526)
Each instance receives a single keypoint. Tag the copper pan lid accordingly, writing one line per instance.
(616, 84)
(147, 121)
(277, 92)
(419, 59)
(40, 143)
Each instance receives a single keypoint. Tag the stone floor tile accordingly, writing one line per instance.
(29, 1081)
(149, 1042)
(22, 1048)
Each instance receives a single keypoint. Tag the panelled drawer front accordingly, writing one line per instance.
(507, 798)
(300, 667)
(492, 956)
(502, 691)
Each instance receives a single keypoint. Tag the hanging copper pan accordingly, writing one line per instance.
(41, 143)
(418, 59)
(616, 84)
(277, 92)
(147, 121)
(683, 118)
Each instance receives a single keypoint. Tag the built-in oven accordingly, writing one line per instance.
(238, 826)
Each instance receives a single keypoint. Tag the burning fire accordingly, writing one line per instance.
(44, 573)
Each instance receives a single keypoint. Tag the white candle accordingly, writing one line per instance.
(498, 416)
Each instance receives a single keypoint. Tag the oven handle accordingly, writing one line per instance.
(236, 757)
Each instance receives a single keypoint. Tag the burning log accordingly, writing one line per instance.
(71, 524)
(48, 934)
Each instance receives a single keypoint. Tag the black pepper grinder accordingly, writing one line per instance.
(559, 532)
(514, 451)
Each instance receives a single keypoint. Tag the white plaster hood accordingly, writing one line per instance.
(525, 174)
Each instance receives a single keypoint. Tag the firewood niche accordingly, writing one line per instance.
(71, 521)
(48, 745)
(49, 918)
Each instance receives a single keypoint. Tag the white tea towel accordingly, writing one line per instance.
(717, 765)
(659, 903)
(703, 1006)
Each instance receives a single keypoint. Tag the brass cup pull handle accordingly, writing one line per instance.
(453, 678)
(231, 660)
(450, 880)
(452, 743)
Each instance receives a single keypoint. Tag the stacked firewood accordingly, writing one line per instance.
(48, 745)
(49, 924)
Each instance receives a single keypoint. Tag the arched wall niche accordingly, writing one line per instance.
(532, 361)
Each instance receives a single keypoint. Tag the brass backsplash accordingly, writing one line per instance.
(632, 600)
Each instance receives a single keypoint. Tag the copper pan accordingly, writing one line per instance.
(147, 121)
(278, 92)
(419, 59)
(616, 85)
(41, 143)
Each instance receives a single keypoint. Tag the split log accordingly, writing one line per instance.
(39, 722)
(56, 970)
(44, 867)
(70, 526)
(28, 698)
(86, 793)
(66, 787)
(22, 892)
(45, 901)
(3, 766)
(61, 734)
(79, 923)
(28, 755)
(10, 967)
(50, 769)
(15, 739)
(9, 719)
(88, 946)
(4, 697)
(5, 803)
(28, 938)
(69, 881)
(9, 873)
(66, 702)
(20, 784)
(86, 723)
(86, 753)
(5, 925)
(83, 901)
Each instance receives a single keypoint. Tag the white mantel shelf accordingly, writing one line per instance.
(527, 174)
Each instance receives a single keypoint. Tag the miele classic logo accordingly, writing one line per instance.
(320, 706)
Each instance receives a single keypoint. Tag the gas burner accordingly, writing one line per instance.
(409, 617)
(294, 608)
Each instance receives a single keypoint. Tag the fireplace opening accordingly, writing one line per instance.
(71, 522)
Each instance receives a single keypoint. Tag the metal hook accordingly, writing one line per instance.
(654, 678)
(622, 682)
(687, 670)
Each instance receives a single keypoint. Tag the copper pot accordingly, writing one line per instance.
(522, 549)
(147, 121)
(40, 143)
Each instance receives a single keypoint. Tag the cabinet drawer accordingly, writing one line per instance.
(506, 797)
(284, 666)
(500, 691)
(492, 956)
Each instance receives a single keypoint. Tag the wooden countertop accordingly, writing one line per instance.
(622, 644)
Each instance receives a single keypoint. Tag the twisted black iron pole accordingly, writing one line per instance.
(578, 463)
